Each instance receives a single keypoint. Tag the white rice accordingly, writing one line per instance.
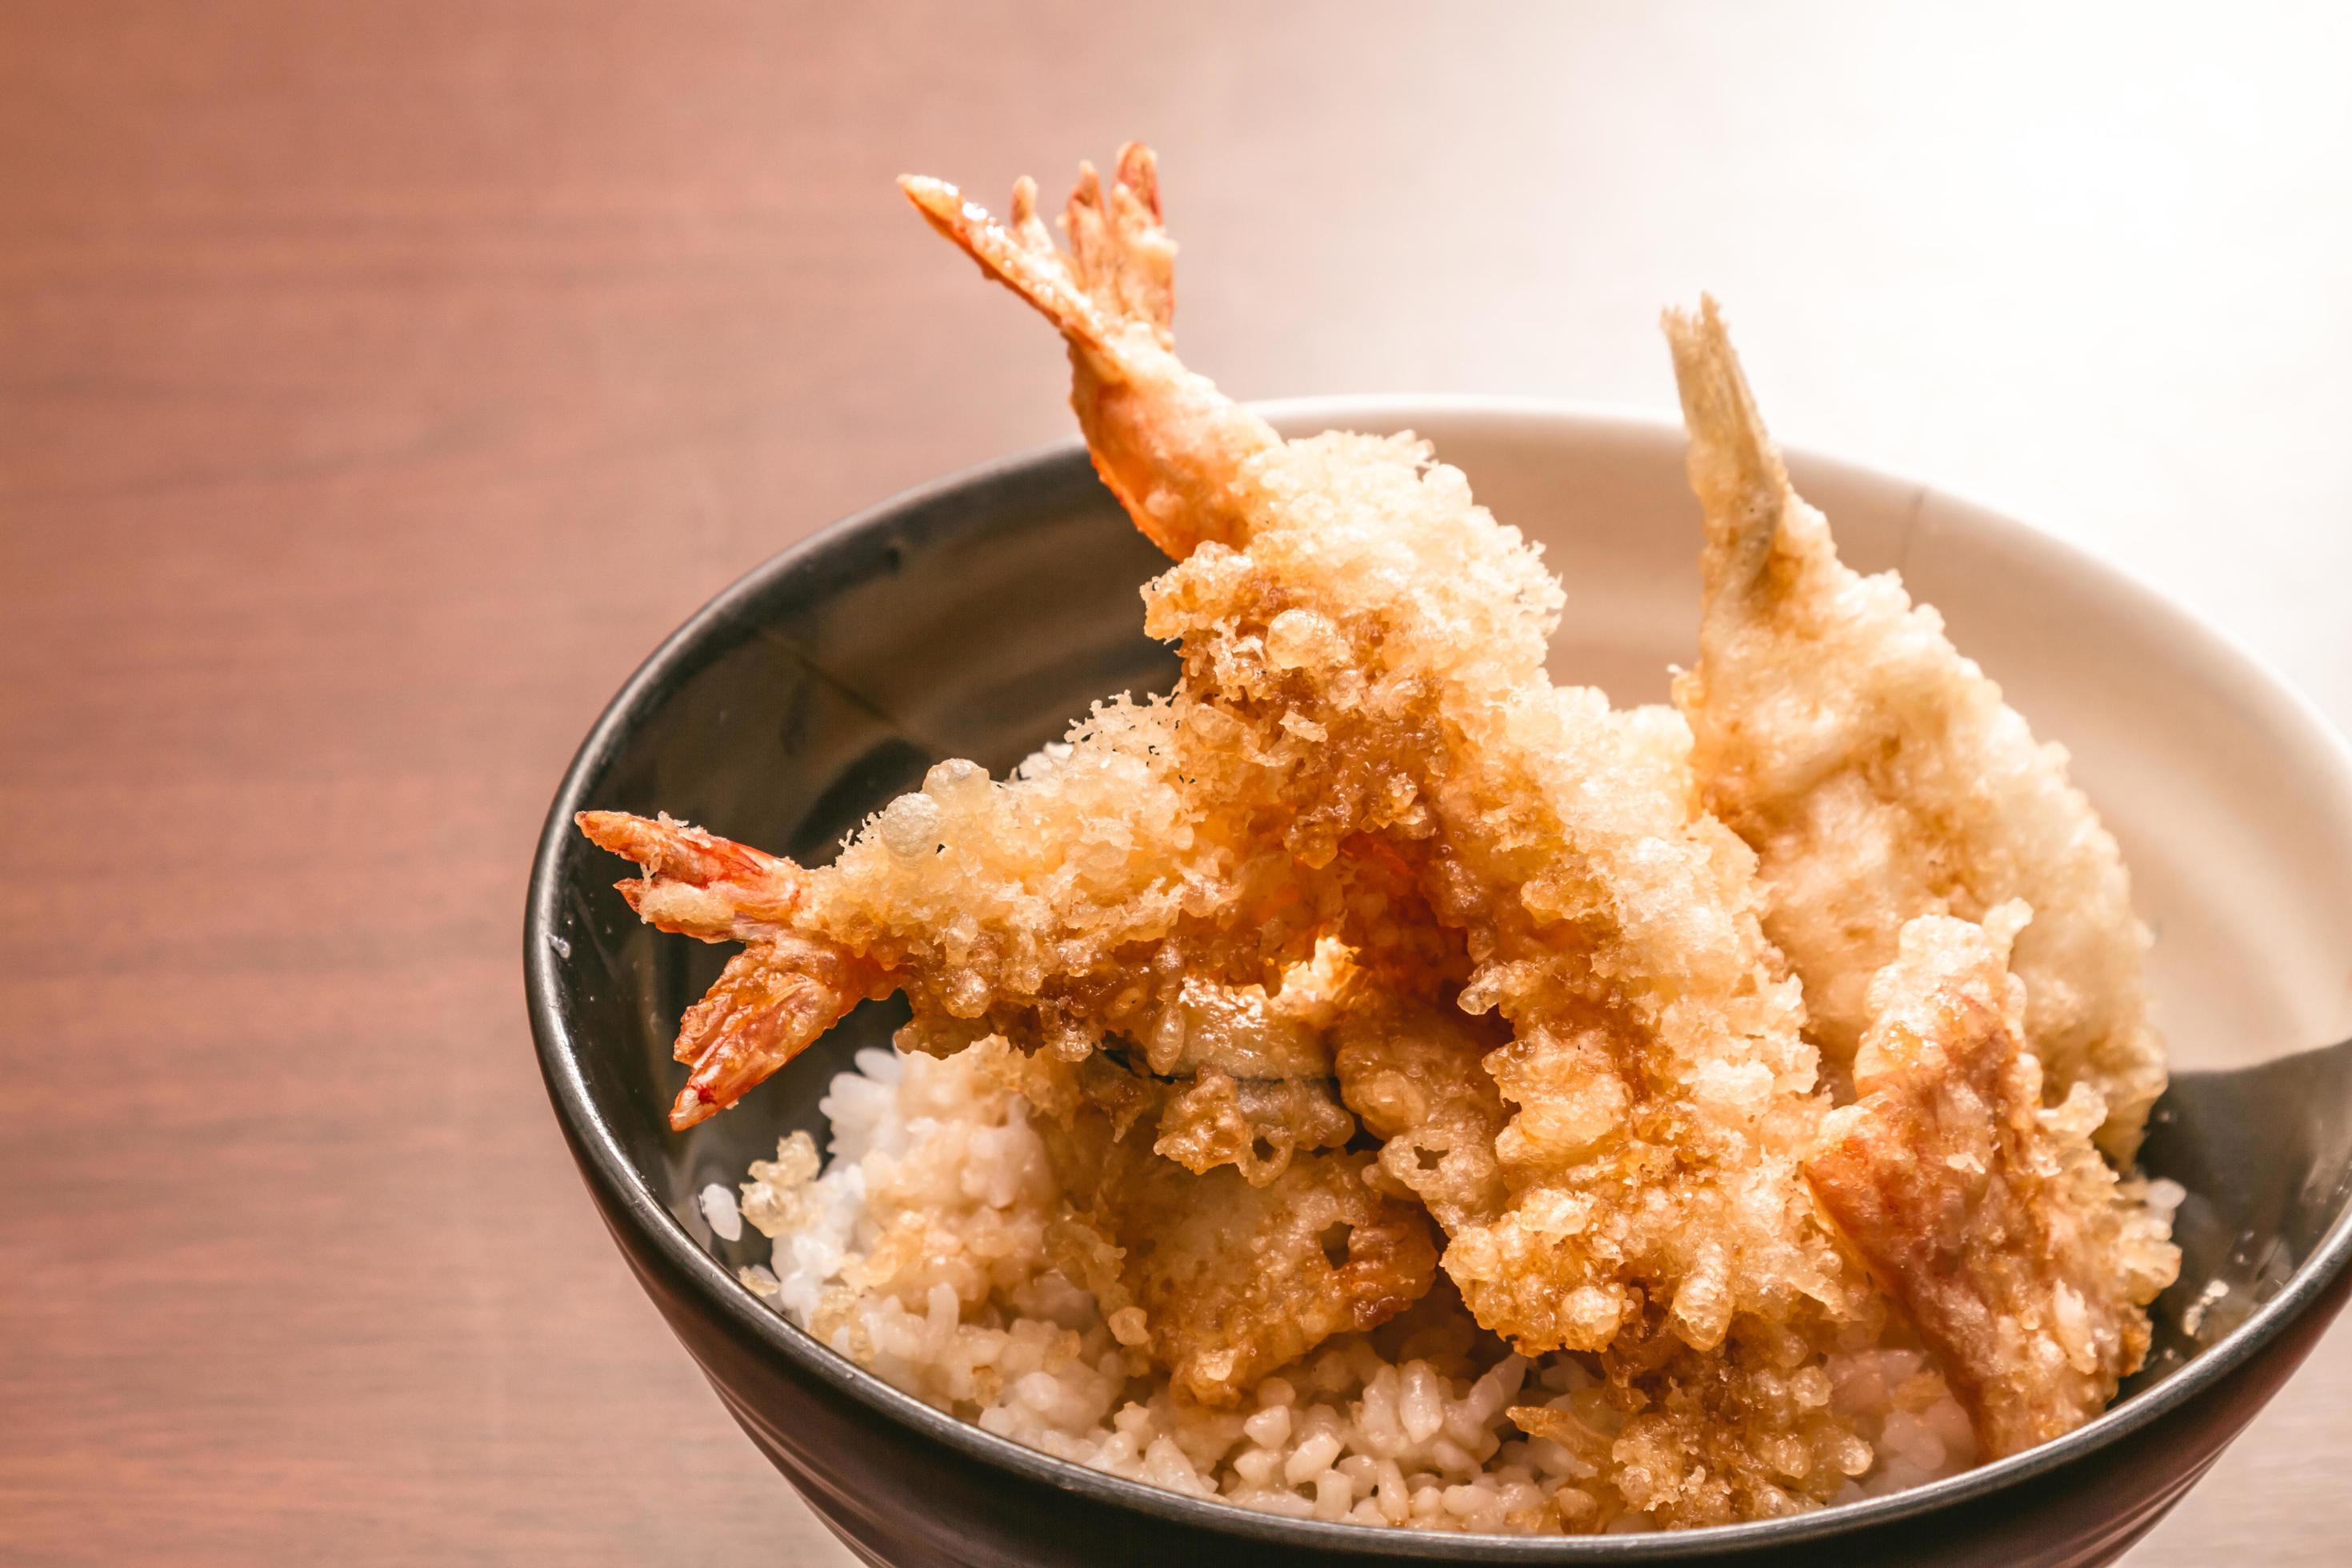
(919, 1252)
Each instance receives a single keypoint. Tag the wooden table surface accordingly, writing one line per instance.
(380, 381)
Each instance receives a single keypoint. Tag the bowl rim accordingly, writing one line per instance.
(606, 1164)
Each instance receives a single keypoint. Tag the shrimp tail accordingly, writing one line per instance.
(772, 1002)
(696, 883)
(1742, 484)
(774, 998)
(1120, 247)
(1168, 444)
(1020, 255)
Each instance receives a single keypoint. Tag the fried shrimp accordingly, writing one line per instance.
(1988, 1215)
(1092, 900)
(1879, 775)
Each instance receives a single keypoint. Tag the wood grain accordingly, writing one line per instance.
(379, 381)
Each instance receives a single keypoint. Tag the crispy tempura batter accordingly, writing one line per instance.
(1220, 1281)
(1747, 1430)
(1878, 775)
(1743, 1430)
(1416, 1074)
(1989, 1216)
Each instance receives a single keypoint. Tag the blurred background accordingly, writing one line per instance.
(379, 381)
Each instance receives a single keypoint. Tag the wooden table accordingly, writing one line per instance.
(378, 381)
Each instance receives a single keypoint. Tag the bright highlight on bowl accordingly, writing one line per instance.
(1376, 1083)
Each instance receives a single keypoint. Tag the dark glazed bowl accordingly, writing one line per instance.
(976, 617)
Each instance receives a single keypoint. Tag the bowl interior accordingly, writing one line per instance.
(976, 619)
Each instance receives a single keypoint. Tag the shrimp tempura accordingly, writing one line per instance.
(1365, 645)
(1878, 776)
(1991, 1218)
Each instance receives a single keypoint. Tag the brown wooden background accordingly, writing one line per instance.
(379, 381)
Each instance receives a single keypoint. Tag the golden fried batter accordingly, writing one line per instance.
(1416, 1074)
(1879, 775)
(1990, 1218)
(1255, 1125)
(1241, 1076)
(1218, 1281)
(1747, 1430)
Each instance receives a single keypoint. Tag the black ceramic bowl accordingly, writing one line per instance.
(976, 617)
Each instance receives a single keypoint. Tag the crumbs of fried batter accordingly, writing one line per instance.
(1750, 1430)
(1416, 1075)
(1218, 1279)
